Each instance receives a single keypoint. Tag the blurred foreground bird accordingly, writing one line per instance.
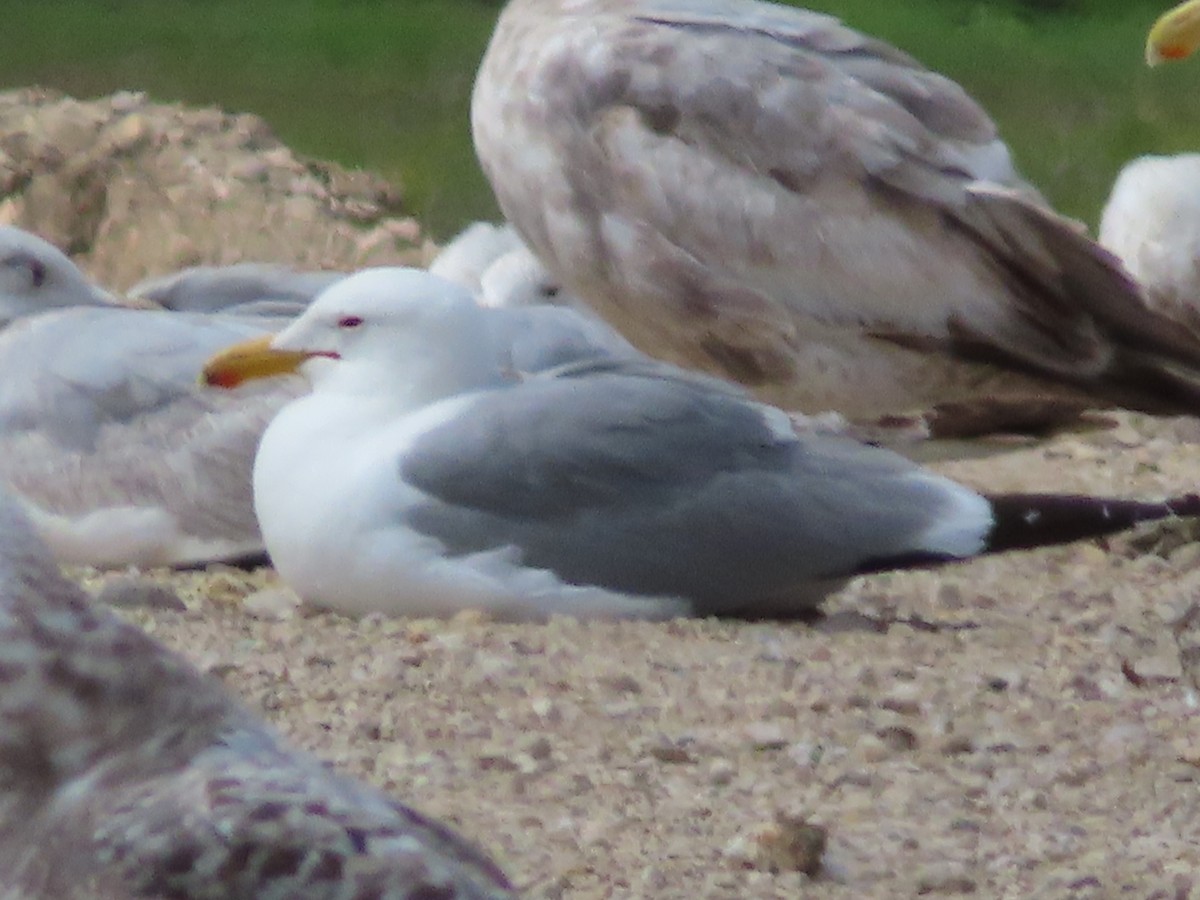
(760, 192)
(419, 478)
(125, 773)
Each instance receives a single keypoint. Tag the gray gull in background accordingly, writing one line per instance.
(126, 773)
(243, 288)
(419, 478)
(35, 276)
(761, 192)
(118, 454)
(116, 451)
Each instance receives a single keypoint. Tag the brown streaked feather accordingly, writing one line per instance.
(759, 191)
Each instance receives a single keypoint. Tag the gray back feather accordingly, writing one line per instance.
(642, 479)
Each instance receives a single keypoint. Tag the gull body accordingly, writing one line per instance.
(125, 773)
(418, 477)
(1152, 222)
(763, 193)
(118, 454)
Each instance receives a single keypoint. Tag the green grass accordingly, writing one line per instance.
(386, 85)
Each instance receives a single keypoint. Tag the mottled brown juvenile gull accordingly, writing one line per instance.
(764, 193)
(417, 478)
(125, 773)
(1152, 222)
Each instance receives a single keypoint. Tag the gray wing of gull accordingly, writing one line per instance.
(243, 288)
(642, 479)
(537, 338)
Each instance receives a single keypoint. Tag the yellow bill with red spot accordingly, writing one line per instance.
(1175, 35)
(250, 360)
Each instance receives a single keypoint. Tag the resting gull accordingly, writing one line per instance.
(119, 456)
(35, 276)
(1152, 221)
(418, 478)
(117, 453)
(126, 773)
(761, 192)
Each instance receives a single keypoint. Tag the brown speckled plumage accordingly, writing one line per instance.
(762, 192)
(125, 773)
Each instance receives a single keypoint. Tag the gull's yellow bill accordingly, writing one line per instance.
(250, 360)
(1175, 35)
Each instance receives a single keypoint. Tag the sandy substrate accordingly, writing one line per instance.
(1024, 726)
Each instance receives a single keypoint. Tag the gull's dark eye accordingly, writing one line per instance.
(349, 321)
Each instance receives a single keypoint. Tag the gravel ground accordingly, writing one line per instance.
(1016, 727)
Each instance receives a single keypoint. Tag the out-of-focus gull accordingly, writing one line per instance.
(416, 478)
(1152, 221)
(251, 288)
(118, 454)
(1175, 34)
(537, 326)
(126, 773)
(35, 276)
(472, 251)
(761, 192)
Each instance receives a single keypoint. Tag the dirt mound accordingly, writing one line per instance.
(132, 188)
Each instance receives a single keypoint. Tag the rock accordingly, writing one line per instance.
(126, 592)
(133, 189)
(766, 736)
(945, 878)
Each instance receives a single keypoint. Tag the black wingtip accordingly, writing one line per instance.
(1026, 521)
(1029, 521)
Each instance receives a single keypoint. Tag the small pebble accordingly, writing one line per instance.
(125, 592)
(272, 604)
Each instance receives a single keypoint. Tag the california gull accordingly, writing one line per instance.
(762, 192)
(126, 773)
(418, 478)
